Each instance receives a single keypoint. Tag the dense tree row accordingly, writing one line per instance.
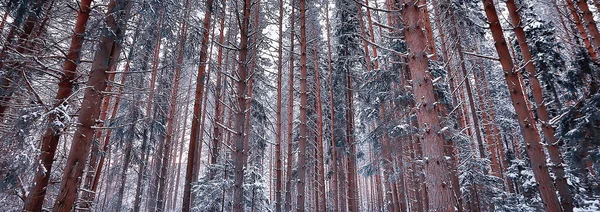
(273, 105)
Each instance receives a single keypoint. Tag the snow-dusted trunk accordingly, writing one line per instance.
(170, 125)
(541, 110)
(467, 82)
(194, 137)
(149, 118)
(240, 110)
(278, 161)
(524, 115)
(353, 201)
(440, 194)
(90, 109)
(303, 136)
(129, 145)
(290, 154)
(219, 112)
(50, 139)
(333, 185)
(581, 29)
(96, 160)
(427, 23)
(589, 23)
(21, 46)
(319, 107)
(124, 168)
(180, 57)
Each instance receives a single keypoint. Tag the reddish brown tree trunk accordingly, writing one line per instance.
(217, 135)
(526, 121)
(430, 38)
(320, 163)
(589, 23)
(187, 100)
(350, 139)
(278, 161)
(194, 137)
(372, 33)
(129, 145)
(90, 109)
(467, 82)
(171, 117)
(303, 105)
(290, 155)
(21, 47)
(541, 110)
(180, 57)
(35, 198)
(145, 151)
(387, 168)
(239, 121)
(334, 182)
(440, 194)
(582, 32)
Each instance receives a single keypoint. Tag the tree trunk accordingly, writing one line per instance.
(239, 121)
(351, 144)
(170, 125)
(290, 155)
(589, 23)
(35, 198)
(440, 194)
(542, 112)
(219, 112)
(194, 137)
(526, 121)
(90, 109)
(7, 88)
(334, 182)
(303, 105)
(149, 118)
(582, 32)
(320, 163)
(430, 38)
(126, 162)
(278, 161)
(180, 57)
(187, 100)
(467, 82)
(129, 145)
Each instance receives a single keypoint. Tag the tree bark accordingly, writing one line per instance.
(440, 194)
(524, 116)
(290, 154)
(170, 125)
(35, 198)
(541, 110)
(219, 112)
(149, 118)
(278, 161)
(582, 32)
(353, 201)
(589, 23)
(239, 121)
(90, 109)
(320, 163)
(194, 137)
(334, 181)
(301, 183)
(21, 47)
